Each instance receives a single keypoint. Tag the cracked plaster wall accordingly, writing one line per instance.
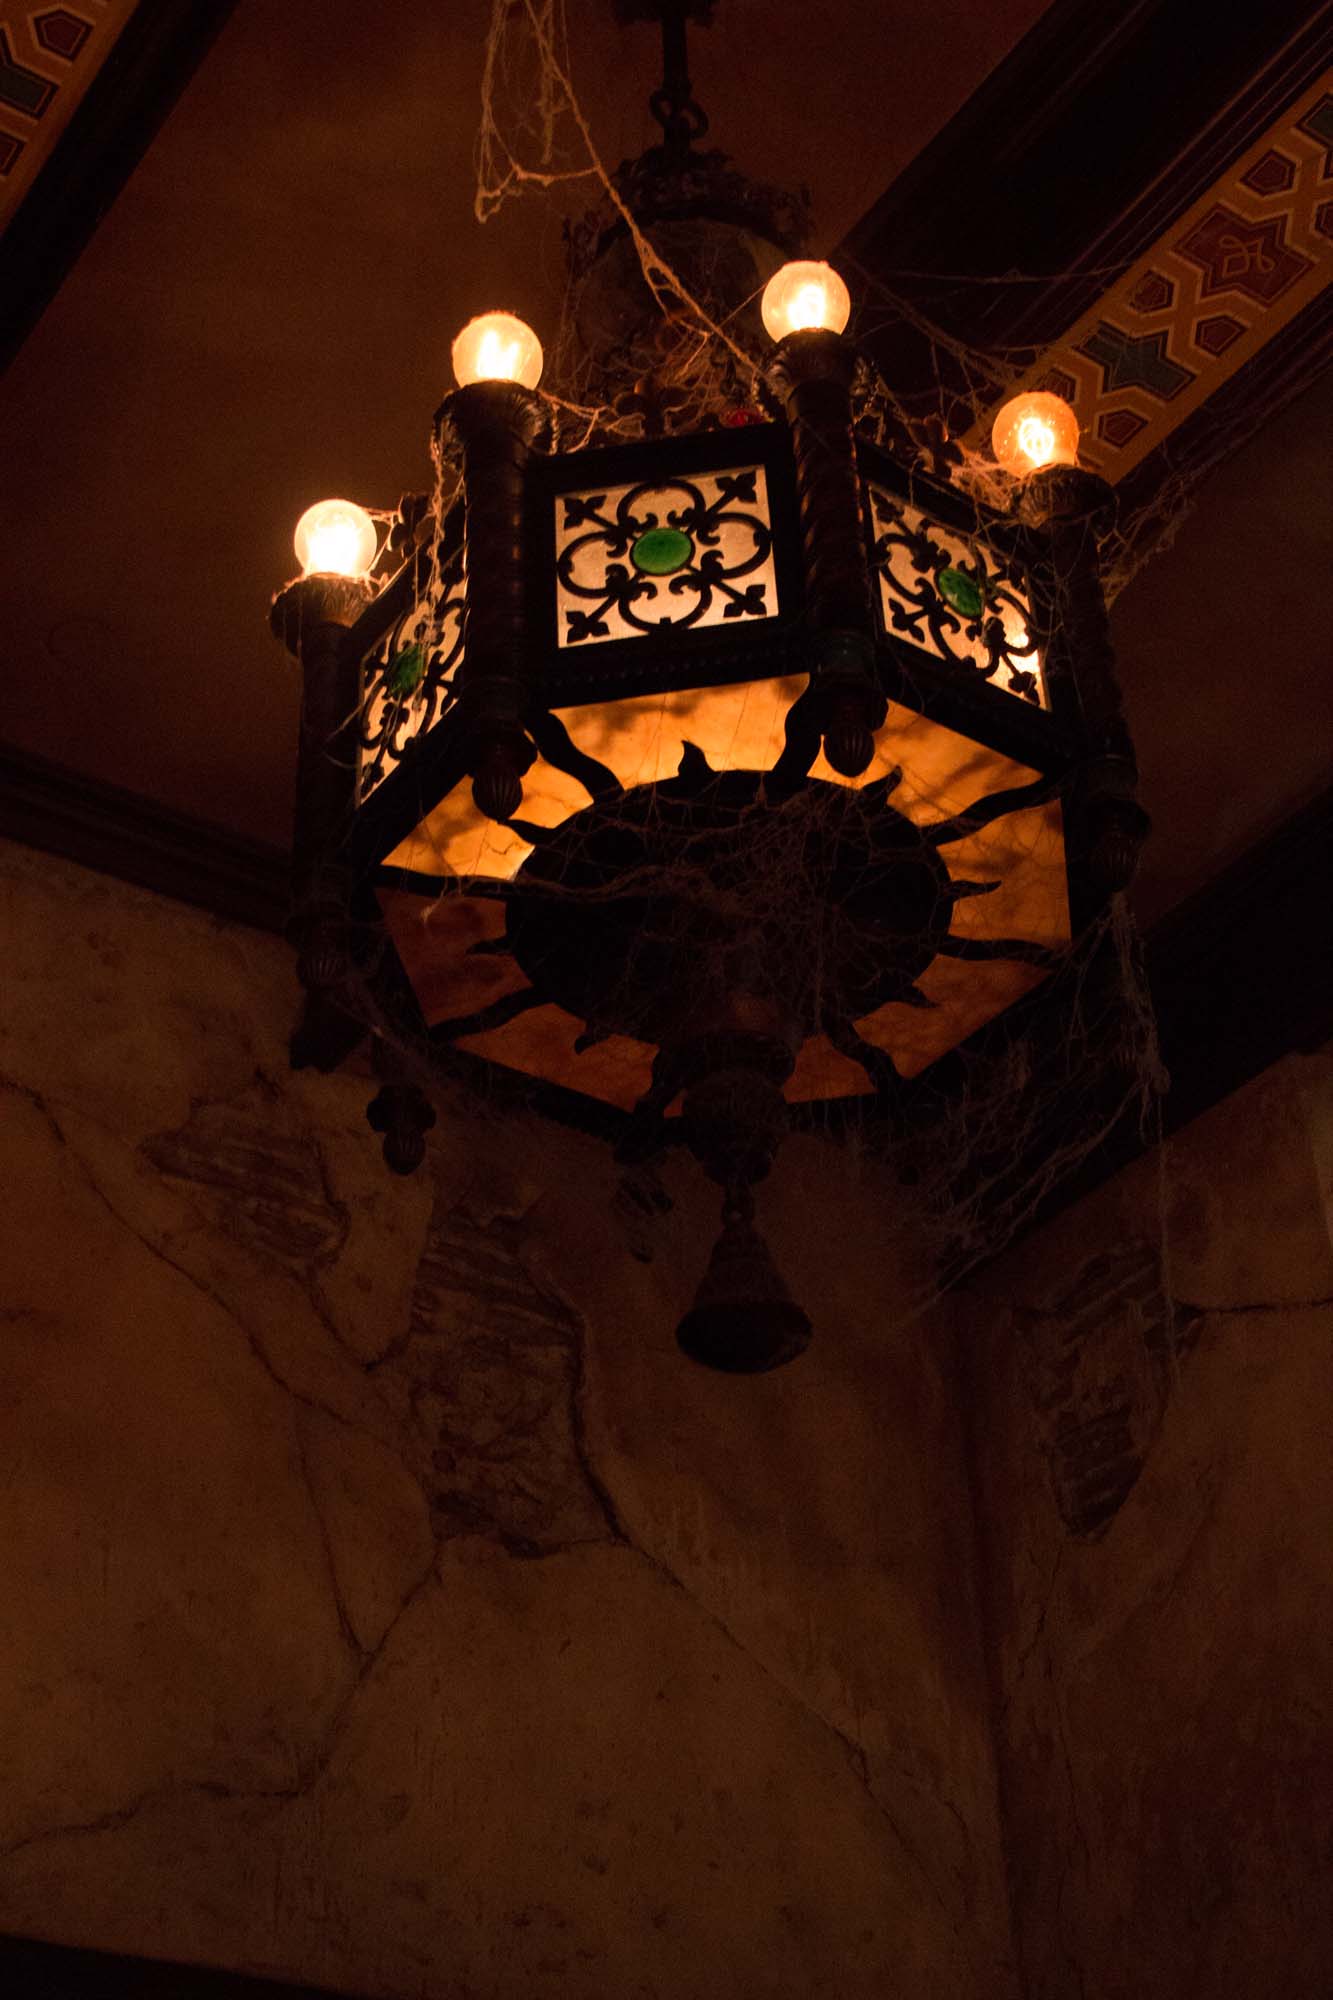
(1155, 1483)
(386, 1603)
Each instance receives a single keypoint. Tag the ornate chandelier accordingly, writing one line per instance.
(680, 780)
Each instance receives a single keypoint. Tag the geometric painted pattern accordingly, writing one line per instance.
(1130, 361)
(61, 33)
(22, 89)
(48, 57)
(1273, 174)
(1118, 427)
(1056, 383)
(1318, 123)
(1236, 254)
(1153, 291)
(1250, 254)
(1216, 333)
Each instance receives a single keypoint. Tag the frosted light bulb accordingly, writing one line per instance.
(1033, 430)
(497, 347)
(802, 295)
(335, 538)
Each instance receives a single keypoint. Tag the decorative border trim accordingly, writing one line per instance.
(116, 832)
(48, 58)
(1094, 147)
(70, 1972)
(151, 61)
(1252, 253)
(1276, 375)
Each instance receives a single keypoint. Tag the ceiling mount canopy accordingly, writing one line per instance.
(673, 103)
(719, 232)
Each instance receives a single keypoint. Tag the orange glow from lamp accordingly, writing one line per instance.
(803, 295)
(1032, 430)
(497, 347)
(335, 538)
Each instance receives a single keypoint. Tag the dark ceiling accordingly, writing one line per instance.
(1225, 655)
(264, 317)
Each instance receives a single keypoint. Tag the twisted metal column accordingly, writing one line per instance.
(495, 426)
(810, 377)
(312, 617)
(1075, 509)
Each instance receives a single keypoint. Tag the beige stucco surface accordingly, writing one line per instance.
(1155, 1489)
(387, 1603)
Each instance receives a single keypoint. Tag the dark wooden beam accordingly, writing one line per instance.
(33, 1971)
(1241, 972)
(1283, 369)
(1100, 128)
(118, 833)
(152, 60)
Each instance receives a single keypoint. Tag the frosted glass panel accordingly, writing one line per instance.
(954, 595)
(675, 552)
(408, 685)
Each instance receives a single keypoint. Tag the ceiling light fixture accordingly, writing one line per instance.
(620, 772)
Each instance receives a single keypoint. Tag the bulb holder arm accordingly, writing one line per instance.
(1075, 510)
(313, 617)
(810, 379)
(494, 427)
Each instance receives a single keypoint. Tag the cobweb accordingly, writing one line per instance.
(986, 1136)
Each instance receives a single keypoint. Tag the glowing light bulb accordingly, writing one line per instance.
(803, 295)
(335, 538)
(497, 347)
(1033, 430)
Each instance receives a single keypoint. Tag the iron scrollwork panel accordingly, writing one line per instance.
(407, 684)
(956, 595)
(675, 553)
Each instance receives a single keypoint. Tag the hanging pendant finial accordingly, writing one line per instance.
(743, 1321)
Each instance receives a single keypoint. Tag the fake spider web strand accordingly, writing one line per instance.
(527, 64)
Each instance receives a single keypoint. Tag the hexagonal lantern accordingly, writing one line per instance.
(669, 639)
(683, 781)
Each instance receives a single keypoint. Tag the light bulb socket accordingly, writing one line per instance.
(813, 355)
(484, 410)
(1070, 493)
(319, 599)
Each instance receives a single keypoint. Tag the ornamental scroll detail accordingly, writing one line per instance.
(407, 684)
(955, 595)
(664, 553)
